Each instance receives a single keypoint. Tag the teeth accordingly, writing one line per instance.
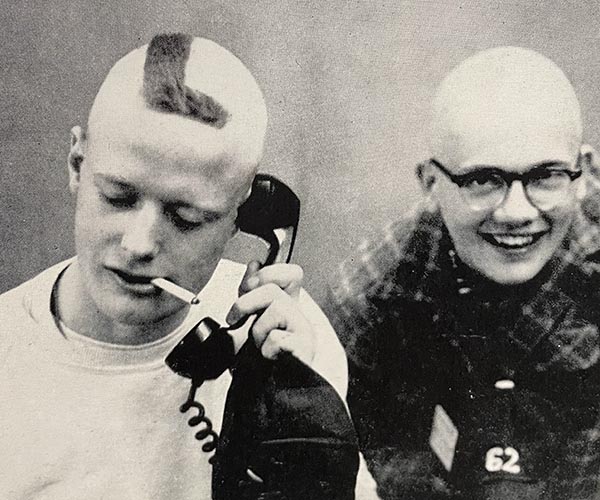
(513, 240)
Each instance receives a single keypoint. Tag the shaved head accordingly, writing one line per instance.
(504, 96)
(505, 121)
(190, 89)
(173, 142)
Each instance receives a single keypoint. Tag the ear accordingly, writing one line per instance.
(427, 175)
(76, 157)
(247, 195)
(588, 162)
(243, 200)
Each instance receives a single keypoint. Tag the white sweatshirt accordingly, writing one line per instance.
(82, 419)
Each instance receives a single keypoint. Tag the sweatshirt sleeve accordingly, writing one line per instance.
(330, 359)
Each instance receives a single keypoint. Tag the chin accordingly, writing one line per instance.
(512, 275)
(135, 311)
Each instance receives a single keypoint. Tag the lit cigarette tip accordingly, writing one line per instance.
(175, 290)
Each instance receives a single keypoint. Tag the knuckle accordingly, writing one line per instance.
(276, 309)
(297, 272)
(273, 290)
(268, 350)
(285, 303)
(275, 340)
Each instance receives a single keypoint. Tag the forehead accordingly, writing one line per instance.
(509, 138)
(169, 156)
(507, 106)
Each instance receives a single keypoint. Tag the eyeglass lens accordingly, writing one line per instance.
(545, 189)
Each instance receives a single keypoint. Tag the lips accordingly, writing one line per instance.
(138, 283)
(513, 241)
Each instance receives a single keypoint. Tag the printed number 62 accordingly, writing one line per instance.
(502, 459)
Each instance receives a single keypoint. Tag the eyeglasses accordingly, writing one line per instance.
(486, 188)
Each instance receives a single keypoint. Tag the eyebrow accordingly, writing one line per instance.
(110, 178)
(107, 179)
(472, 169)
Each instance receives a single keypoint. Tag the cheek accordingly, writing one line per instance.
(200, 252)
(468, 244)
(88, 226)
(94, 227)
(560, 223)
(463, 225)
(461, 222)
(562, 216)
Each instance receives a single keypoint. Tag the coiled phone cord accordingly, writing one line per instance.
(204, 359)
(207, 433)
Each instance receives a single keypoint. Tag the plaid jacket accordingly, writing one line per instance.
(422, 331)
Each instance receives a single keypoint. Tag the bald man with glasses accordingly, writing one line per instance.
(471, 325)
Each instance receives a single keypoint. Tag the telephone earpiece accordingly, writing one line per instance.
(271, 212)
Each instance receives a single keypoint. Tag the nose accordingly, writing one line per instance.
(516, 207)
(141, 238)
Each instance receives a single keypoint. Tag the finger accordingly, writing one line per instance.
(249, 281)
(275, 343)
(279, 341)
(280, 315)
(287, 276)
(254, 301)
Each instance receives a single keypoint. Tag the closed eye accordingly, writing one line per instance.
(120, 201)
(189, 218)
(115, 193)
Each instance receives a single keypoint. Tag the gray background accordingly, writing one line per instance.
(347, 84)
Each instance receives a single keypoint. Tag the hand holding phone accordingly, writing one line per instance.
(270, 215)
(274, 439)
(273, 291)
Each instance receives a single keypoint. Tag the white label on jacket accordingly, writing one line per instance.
(444, 436)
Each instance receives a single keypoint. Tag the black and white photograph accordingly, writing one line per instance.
(300, 250)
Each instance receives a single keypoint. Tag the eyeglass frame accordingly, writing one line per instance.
(461, 180)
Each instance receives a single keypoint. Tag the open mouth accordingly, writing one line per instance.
(135, 282)
(132, 278)
(513, 241)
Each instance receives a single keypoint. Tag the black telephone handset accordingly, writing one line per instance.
(286, 433)
(271, 214)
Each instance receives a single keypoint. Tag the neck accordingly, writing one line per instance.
(76, 309)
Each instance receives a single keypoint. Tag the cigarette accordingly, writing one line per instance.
(175, 290)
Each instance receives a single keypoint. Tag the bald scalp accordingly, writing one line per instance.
(188, 87)
(503, 94)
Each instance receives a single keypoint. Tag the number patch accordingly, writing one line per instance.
(502, 459)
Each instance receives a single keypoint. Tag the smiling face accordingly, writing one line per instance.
(157, 194)
(514, 111)
(509, 244)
